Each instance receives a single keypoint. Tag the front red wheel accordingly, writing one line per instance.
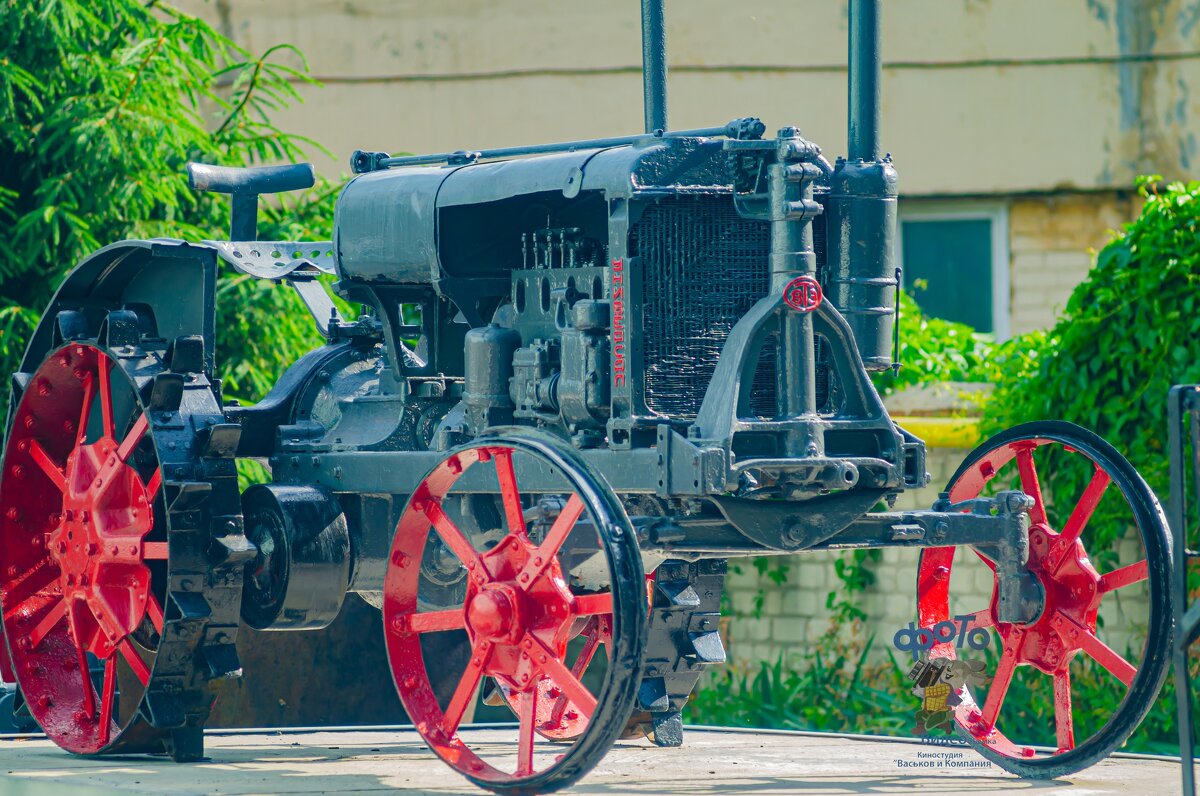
(565, 569)
(1104, 628)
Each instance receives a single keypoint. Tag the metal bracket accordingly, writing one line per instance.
(319, 304)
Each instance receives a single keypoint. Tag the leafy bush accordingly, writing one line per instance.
(1128, 333)
(102, 102)
(832, 689)
(936, 350)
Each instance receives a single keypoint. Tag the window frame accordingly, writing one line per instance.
(969, 210)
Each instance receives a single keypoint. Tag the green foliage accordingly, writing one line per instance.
(853, 570)
(936, 350)
(1128, 333)
(102, 102)
(832, 689)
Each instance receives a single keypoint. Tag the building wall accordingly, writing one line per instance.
(1052, 241)
(980, 96)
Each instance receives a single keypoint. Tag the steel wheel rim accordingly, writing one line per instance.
(1060, 560)
(84, 546)
(533, 645)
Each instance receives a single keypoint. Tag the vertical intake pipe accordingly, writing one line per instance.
(861, 217)
(654, 64)
(864, 78)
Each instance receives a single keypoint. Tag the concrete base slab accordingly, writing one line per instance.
(712, 761)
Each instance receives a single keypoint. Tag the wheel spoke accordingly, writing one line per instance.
(1104, 655)
(1063, 724)
(451, 535)
(85, 411)
(528, 724)
(1084, 508)
(48, 622)
(1002, 678)
(1118, 578)
(155, 551)
(1030, 485)
(27, 585)
(433, 621)
(153, 485)
(507, 477)
(464, 694)
(561, 676)
(89, 694)
(593, 632)
(131, 656)
(591, 604)
(558, 534)
(106, 403)
(990, 563)
(107, 698)
(981, 618)
(39, 455)
(133, 437)
(155, 612)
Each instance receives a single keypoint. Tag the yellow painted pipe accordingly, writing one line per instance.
(943, 432)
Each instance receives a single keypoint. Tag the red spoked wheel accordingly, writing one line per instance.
(1105, 622)
(527, 597)
(84, 538)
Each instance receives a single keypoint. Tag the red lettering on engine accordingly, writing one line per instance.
(618, 321)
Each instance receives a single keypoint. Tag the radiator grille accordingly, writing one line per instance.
(703, 267)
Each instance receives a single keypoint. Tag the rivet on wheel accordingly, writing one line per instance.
(44, 701)
(528, 644)
(477, 660)
(524, 578)
(537, 561)
(133, 551)
(399, 625)
(541, 659)
(23, 445)
(44, 388)
(418, 504)
(116, 550)
(80, 374)
(68, 427)
(941, 573)
(24, 643)
(17, 471)
(30, 421)
(13, 514)
(399, 559)
(410, 682)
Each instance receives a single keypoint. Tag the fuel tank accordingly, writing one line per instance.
(429, 224)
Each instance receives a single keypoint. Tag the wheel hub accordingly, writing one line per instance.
(517, 614)
(1071, 603)
(492, 614)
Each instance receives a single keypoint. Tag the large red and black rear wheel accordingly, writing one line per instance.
(105, 516)
(1105, 626)
(575, 578)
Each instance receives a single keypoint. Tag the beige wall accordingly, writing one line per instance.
(982, 96)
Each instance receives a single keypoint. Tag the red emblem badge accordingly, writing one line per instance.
(803, 294)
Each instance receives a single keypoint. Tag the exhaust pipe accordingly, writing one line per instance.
(864, 78)
(654, 64)
(861, 221)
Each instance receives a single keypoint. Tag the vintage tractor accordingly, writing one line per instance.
(585, 375)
